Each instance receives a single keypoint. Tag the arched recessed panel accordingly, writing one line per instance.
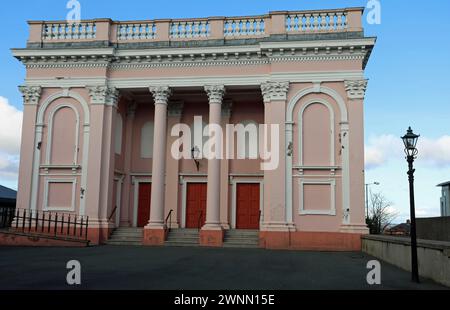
(119, 134)
(147, 134)
(63, 136)
(316, 136)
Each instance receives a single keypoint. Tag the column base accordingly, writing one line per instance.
(99, 231)
(212, 236)
(154, 236)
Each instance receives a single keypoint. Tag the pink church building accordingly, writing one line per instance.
(103, 99)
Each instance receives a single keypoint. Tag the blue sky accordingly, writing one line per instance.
(409, 79)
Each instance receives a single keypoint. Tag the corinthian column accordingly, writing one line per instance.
(155, 230)
(212, 233)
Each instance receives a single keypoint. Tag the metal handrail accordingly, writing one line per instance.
(169, 220)
(112, 214)
(200, 221)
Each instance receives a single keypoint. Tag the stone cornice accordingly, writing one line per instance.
(356, 89)
(274, 91)
(215, 93)
(161, 94)
(104, 95)
(31, 94)
(192, 57)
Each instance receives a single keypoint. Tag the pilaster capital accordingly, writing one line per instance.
(175, 109)
(161, 94)
(356, 89)
(104, 95)
(215, 93)
(31, 94)
(274, 91)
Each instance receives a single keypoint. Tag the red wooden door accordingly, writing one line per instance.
(145, 198)
(248, 206)
(196, 205)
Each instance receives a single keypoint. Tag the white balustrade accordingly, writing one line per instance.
(244, 27)
(190, 29)
(136, 31)
(321, 21)
(67, 31)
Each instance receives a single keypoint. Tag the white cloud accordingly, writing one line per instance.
(10, 137)
(10, 127)
(381, 149)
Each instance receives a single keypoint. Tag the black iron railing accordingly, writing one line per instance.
(114, 211)
(200, 221)
(6, 217)
(46, 223)
(169, 221)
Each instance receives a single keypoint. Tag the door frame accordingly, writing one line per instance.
(184, 184)
(234, 182)
(136, 183)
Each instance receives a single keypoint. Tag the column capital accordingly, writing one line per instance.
(31, 94)
(161, 94)
(356, 89)
(274, 91)
(104, 95)
(175, 109)
(215, 93)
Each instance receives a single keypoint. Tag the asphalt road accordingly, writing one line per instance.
(144, 268)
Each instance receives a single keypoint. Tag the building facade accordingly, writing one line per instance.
(104, 102)
(445, 199)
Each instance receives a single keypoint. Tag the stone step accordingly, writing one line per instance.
(124, 243)
(181, 244)
(193, 239)
(126, 239)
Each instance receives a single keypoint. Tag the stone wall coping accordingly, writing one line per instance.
(428, 244)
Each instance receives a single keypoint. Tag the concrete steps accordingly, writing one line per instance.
(248, 239)
(126, 236)
(183, 238)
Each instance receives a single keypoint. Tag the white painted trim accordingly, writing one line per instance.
(200, 81)
(184, 184)
(318, 43)
(331, 211)
(242, 180)
(50, 133)
(317, 88)
(301, 130)
(72, 208)
(62, 52)
(136, 181)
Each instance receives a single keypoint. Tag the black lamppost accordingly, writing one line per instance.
(410, 141)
